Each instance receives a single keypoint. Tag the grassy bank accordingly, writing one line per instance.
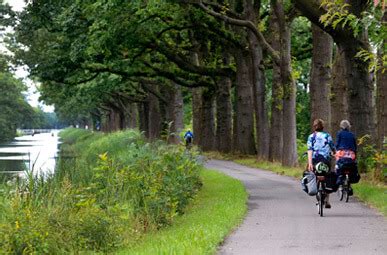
(372, 193)
(112, 192)
(219, 207)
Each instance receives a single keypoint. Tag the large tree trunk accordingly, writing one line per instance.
(244, 123)
(196, 106)
(197, 114)
(132, 116)
(259, 90)
(207, 132)
(143, 110)
(276, 123)
(154, 117)
(178, 109)
(381, 82)
(289, 149)
(174, 113)
(224, 116)
(360, 88)
(259, 99)
(320, 76)
(339, 92)
(113, 120)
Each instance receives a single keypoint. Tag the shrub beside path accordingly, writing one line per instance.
(282, 219)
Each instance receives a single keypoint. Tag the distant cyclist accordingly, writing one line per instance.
(188, 137)
(346, 151)
(320, 148)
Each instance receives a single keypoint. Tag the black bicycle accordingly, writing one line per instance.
(321, 194)
(345, 191)
(321, 171)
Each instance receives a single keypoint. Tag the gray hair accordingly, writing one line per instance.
(344, 124)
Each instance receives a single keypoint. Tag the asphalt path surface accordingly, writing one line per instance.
(282, 219)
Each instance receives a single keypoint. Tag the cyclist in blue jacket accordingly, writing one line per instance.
(320, 147)
(188, 137)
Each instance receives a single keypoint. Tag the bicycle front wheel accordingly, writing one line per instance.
(347, 194)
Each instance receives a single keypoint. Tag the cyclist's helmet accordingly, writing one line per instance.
(322, 168)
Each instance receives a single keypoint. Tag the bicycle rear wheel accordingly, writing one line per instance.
(347, 187)
(320, 198)
(340, 193)
(347, 194)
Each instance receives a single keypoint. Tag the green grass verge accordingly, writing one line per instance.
(375, 195)
(218, 208)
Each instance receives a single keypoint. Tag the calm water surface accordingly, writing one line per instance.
(36, 153)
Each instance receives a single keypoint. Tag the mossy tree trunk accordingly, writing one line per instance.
(289, 149)
(276, 121)
(320, 76)
(224, 114)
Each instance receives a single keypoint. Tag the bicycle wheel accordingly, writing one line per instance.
(347, 187)
(347, 194)
(320, 199)
(340, 193)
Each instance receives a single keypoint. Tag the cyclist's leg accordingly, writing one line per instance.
(327, 203)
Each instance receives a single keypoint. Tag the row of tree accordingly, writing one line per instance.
(248, 68)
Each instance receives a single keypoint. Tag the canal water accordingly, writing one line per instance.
(36, 153)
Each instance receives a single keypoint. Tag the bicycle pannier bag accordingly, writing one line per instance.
(330, 180)
(309, 184)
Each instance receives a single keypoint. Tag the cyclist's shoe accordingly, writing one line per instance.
(328, 205)
(350, 192)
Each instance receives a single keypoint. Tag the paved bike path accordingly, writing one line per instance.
(282, 219)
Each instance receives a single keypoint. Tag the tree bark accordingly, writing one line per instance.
(196, 106)
(289, 149)
(276, 122)
(113, 120)
(381, 82)
(259, 90)
(132, 116)
(143, 110)
(320, 76)
(174, 113)
(224, 115)
(154, 117)
(339, 92)
(360, 89)
(244, 123)
(207, 133)
(178, 109)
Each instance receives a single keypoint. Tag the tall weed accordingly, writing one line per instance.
(107, 191)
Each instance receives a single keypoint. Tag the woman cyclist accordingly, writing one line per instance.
(320, 147)
(346, 151)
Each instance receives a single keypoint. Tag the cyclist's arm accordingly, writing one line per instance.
(310, 152)
(331, 144)
(310, 162)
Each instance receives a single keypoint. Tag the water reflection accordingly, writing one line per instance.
(36, 153)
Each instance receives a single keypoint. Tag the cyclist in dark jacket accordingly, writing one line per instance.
(345, 139)
(346, 150)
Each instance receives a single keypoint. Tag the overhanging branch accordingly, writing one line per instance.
(242, 23)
